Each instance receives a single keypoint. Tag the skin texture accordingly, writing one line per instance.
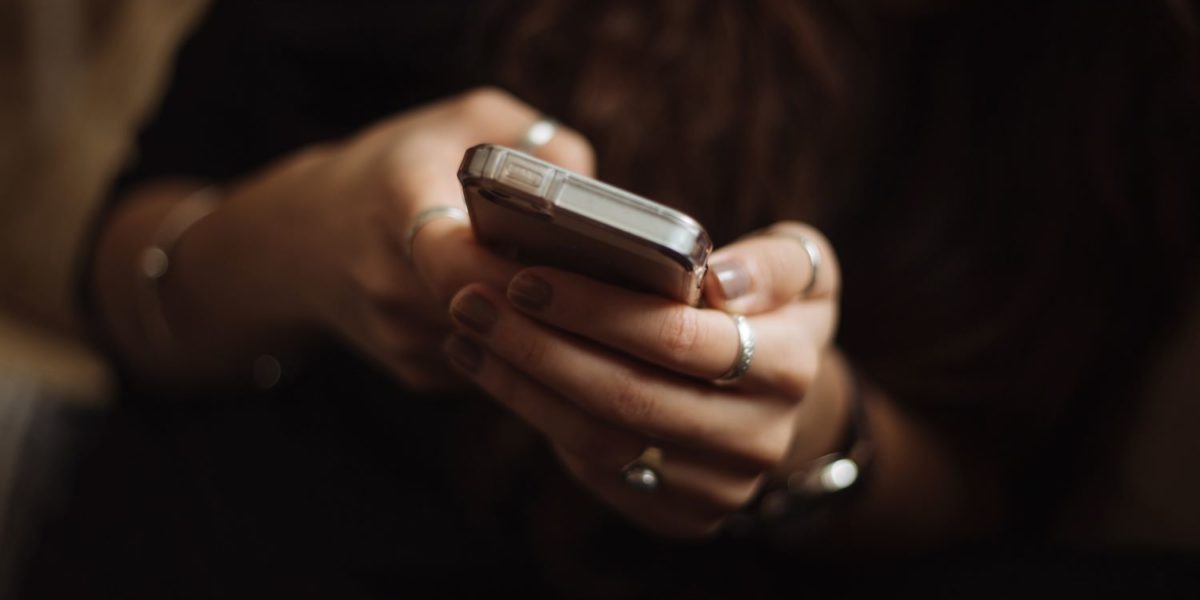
(318, 245)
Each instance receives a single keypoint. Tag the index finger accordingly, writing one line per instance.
(491, 115)
(450, 257)
(786, 262)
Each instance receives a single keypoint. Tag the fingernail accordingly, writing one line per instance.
(529, 292)
(464, 353)
(731, 276)
(474, 312)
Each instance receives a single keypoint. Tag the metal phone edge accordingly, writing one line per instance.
(477, 158)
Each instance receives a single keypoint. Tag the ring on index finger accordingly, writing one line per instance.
(423, 218)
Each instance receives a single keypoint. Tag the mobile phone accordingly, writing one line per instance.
(542, 214)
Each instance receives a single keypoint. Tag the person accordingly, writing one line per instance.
(931, 178)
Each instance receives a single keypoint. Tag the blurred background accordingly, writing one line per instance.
(76, 78)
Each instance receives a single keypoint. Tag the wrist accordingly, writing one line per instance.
(187, 313)
(157, 261)
(229, 277)
(827, 466)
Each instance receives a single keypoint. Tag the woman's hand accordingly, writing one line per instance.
(605, 373)
(317, 242)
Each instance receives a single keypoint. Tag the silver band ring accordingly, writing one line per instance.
(538, 134)
(643, 473)
(814, 258)
(745, 351)
(423, 218)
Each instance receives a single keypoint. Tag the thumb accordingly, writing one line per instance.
(786, 262)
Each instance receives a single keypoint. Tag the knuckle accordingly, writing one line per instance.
(767, 449)
(374, 286)
(483, 100)
(804, 362)
(800, 228)
(577, 151)
(793, 385)
(795, 382)
(680, 332)
(532, 353)
(630, 403)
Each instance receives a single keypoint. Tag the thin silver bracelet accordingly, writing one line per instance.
(154, 263)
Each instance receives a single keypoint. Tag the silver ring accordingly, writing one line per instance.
(538, 134)
(814, 257)
(643, 473)
(423, 218)
(745, 351)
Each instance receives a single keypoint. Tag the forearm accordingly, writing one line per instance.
(216, 315)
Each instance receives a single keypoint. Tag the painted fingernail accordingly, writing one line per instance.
(732, 276)
(529, 292)
(464, 353)
(474, 312)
